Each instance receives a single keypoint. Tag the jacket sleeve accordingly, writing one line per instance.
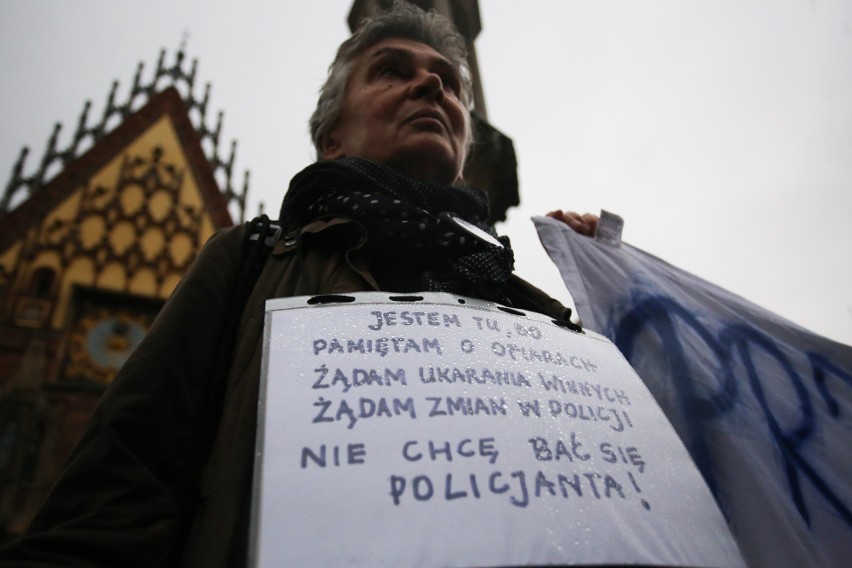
(129, 488)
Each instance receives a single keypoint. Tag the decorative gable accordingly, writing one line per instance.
(123, 218)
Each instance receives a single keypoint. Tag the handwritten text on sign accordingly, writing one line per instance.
(447, 432)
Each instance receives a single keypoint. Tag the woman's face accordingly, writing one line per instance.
(401, 107)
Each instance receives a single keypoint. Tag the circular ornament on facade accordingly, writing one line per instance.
(101, 342)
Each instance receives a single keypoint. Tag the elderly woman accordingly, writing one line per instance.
(159, 479)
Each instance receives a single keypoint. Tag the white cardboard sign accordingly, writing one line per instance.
(447, 432)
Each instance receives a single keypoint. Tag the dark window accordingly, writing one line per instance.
(42, 282)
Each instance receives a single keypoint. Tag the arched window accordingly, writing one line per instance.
(8, 440)
(21, 432)
(41, 283)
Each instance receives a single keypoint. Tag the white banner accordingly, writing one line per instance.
(764, 406)
(446, 432)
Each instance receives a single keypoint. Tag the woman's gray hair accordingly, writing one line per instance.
(404, 21)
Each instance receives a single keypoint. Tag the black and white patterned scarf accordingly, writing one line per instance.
(440, 232)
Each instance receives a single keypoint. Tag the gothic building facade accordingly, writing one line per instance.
(87, 257)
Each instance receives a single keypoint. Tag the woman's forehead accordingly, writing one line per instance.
(404, 49)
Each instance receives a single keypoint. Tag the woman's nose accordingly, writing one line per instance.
(428, 84)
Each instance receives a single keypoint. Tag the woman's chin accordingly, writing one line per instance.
(432, 162)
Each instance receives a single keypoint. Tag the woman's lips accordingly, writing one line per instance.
(427, 117)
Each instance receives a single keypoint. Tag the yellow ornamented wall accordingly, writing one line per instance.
(86, 261)
(133, 227)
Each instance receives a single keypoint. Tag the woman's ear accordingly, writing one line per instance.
(331, 149)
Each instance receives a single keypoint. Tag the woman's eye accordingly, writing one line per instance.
(451, 83)
(391, 72)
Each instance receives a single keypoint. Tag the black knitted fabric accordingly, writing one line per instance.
(410, 223)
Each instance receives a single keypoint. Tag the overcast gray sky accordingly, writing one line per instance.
(720, 130)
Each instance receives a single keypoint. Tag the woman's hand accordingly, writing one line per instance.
(584, 224)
